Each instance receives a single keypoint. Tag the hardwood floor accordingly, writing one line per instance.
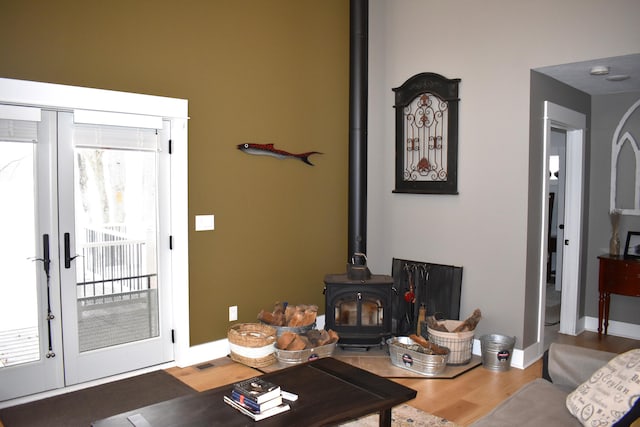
(461, 400)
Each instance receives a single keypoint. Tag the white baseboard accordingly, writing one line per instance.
(618, 329)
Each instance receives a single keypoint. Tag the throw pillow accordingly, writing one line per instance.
(610, 393)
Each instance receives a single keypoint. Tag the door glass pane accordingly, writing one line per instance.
(116, 240)
(19, 342)
(371, 312)
(346, 311)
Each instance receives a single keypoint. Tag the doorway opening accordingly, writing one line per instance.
(555, 234)
(561, 121)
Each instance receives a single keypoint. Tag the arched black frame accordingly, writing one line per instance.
(433, 96)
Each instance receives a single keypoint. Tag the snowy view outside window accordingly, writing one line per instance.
(116, 228)
(18, 292)
(115, 219)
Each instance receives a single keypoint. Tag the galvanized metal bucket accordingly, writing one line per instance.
(496, 351)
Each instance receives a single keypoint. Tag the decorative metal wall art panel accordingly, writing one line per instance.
(427, 135)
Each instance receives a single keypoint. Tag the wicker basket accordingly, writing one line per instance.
(252, 344)
(459, 344)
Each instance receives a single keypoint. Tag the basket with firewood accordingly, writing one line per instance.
(286, 317)
(418, 355)
(456, 335)
(293, 348)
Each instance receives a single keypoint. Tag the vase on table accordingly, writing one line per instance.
(614, 242)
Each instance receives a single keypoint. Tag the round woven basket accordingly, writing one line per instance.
(252, 344)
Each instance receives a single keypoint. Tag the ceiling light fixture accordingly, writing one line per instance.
(599, 70)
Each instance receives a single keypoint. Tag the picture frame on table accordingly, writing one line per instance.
(632, 246)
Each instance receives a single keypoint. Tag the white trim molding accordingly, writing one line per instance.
(23, 92)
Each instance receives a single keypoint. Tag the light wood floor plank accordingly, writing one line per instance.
(214, 373)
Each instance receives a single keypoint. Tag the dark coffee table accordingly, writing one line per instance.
(330, 392)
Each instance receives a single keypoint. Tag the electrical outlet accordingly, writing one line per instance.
(233, 313)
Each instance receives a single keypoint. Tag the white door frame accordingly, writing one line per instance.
(574, 123)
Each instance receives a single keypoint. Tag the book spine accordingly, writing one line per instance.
(258, 398)
(239, 407)
(245, 401)
(257, 417)
(257, 389)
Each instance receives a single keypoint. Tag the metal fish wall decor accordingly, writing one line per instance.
(270, 150)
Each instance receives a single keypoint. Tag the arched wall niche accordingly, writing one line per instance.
(625, 162)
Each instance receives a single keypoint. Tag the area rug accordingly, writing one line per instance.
(403, 416)
(80, 408)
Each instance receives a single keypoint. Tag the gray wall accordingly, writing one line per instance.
(606, 113)
(492, 46)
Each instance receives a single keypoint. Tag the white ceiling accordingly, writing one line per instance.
(578, 75)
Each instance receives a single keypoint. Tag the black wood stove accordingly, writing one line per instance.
(365, 309)
(359, 310)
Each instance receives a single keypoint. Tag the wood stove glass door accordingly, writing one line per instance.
(358, 309)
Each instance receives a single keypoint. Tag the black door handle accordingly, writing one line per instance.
(566, 242)
(67, 252)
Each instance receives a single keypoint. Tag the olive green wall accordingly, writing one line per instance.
(258, 71)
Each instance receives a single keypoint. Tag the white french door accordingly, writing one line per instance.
(85, 265)
(114, 245)
(30, 328)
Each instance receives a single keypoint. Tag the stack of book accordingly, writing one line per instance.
(257, 398)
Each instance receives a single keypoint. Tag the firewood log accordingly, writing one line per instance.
(324, 338)
(308, 317)
(314, 337)
(270, 318)
(433, 324)
(297, 344)
(278, 308)
(285, 340)
(470, 323)
(288, 314)
(333, 336)
(430, 347)
(296, 320)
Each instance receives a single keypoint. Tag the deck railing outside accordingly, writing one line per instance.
(112, 264)
(111, 269)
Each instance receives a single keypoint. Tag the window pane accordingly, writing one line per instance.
(19, 341)
(116, 229)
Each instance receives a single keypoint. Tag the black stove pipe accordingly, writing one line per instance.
(358, 97)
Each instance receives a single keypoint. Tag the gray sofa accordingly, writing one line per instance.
(542, 402)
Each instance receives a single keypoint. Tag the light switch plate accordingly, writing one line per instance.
(233, 313)
(204, 222)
